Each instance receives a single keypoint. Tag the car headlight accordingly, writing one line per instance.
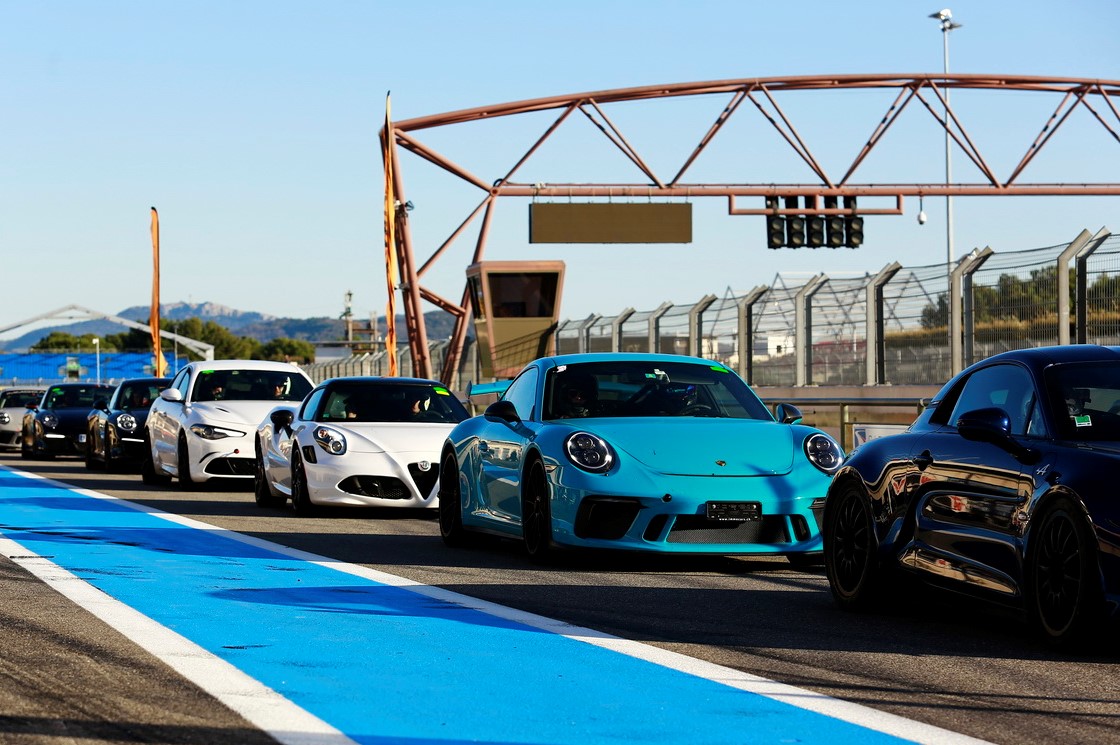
(50, 421)
(589, 452)
(126, 422)
(4, 418)
(210, 432)
(823, 452)
(330, 440)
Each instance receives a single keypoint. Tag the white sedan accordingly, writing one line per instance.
(359, 441)
(202, 426)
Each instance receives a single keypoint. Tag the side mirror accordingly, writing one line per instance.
(100, 403)
(282, 418)
(788, 414)
(502, 410)
(993, 425)
(171, 394)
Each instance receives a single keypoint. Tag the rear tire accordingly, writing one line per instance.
(850, 548)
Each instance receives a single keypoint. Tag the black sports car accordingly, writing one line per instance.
(56, 425)
(1004, 487)
(115, 427)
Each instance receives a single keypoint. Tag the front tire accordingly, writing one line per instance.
(1064, 592)
(186, 482)
(261, 492)
(450, 503)
(148, 473)
(301, 499)
(536, 513)
(850, 548)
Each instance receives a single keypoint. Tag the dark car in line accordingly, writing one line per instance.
(56, 425)
(115, 426)
(1004, 488)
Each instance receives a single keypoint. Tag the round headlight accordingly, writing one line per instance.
(823, 452)
(126, 422)
(589, 452)
(330, 440)
(4, 418)
(50, 421)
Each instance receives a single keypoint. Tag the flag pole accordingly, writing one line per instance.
(159, 364)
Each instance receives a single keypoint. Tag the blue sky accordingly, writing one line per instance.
(252, 127)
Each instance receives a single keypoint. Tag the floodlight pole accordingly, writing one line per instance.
(945, 18)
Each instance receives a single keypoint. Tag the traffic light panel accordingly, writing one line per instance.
(775, 225)
(853, 225)
(795, 226)
(834, 225)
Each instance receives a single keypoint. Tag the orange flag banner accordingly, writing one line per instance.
(159, 364)
(390, 243)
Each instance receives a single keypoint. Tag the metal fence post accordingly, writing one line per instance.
(654, 340)
(967, 265)
(616, 329)
(802, 332)
(746, 332)
(875, 349)
(1082, 283)
(1070, 251)
(695, 314)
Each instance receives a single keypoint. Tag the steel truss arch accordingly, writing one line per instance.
(920, 91)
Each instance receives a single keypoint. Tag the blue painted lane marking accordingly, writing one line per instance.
(385, 663)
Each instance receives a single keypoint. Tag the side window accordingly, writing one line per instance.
(522, 393)
(180, 383)
(307, 411)
(1007, 387)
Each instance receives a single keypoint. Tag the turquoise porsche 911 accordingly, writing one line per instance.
(642, 452)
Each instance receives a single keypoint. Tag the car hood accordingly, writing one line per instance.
(700, 446)
(244, 415)
(395, 437)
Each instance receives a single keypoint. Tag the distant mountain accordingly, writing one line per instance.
(259, 326)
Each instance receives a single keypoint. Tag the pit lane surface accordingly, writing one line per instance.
(956, 667)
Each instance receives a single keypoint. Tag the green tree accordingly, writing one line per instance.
(288, 350)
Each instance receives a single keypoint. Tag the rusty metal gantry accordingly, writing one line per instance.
(926, 91)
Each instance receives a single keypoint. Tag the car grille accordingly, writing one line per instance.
(425, 480)
(699, 529)
(231, 467)
(381, 487)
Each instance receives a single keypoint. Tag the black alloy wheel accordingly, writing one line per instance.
(301, 500)
(849, 550)
(186, 482)
(450, 502)
(536, 513)
(1064, 586)
(91, 461)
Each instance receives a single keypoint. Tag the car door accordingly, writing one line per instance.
(970, 494)
(163, 422)
(501, 452)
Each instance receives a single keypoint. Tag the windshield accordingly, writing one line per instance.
(75, 397)
(1085, 397)
(138, 396)
(642, 389)
(250, 385)
(19, 398)
(362, 401)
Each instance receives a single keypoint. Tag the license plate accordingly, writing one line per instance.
(81, 438)
(733, 511)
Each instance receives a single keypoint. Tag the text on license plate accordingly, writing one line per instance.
(733, 511)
